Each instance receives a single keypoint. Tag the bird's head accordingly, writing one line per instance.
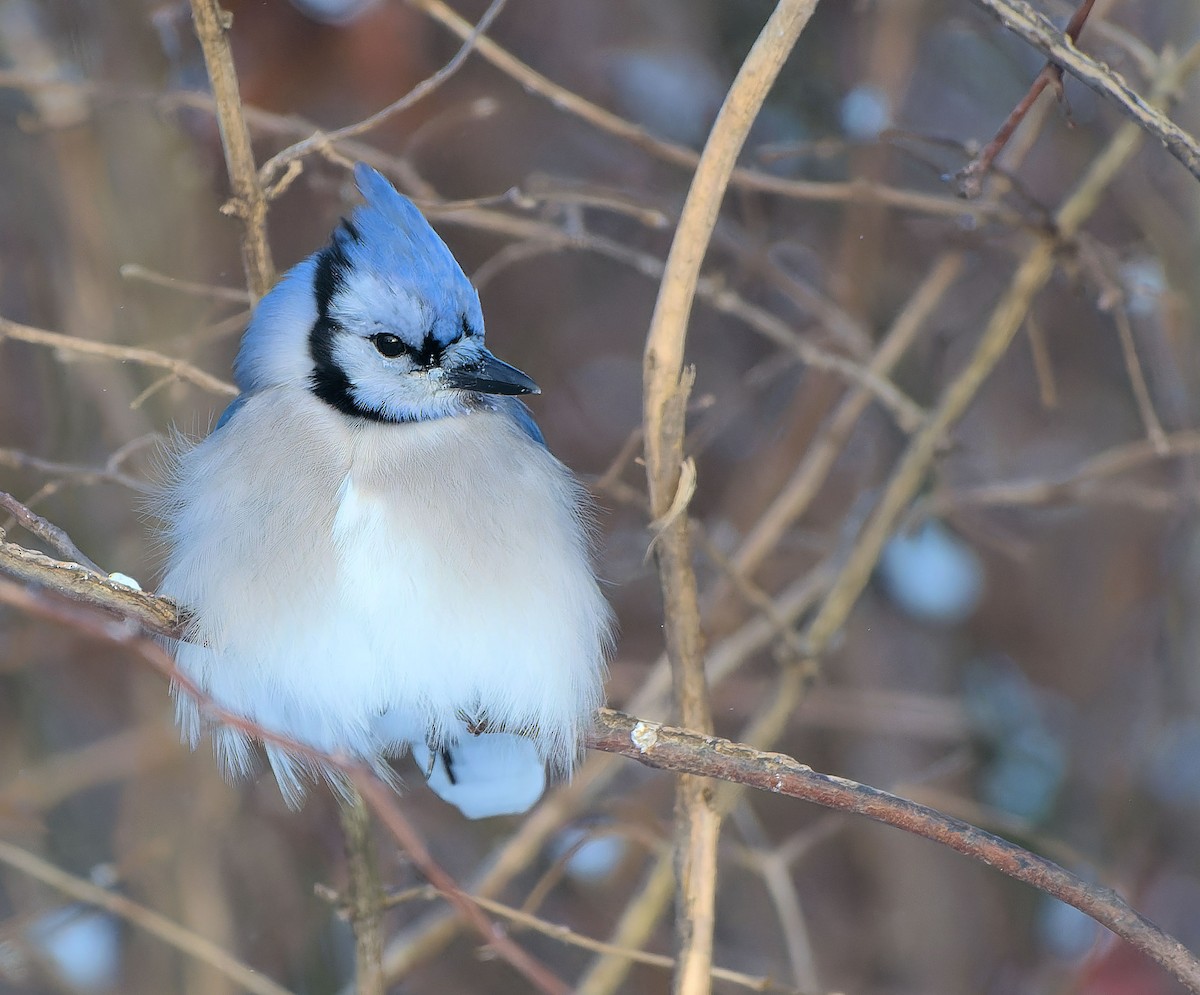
(382, 323)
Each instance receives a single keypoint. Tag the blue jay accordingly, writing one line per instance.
(378, 552)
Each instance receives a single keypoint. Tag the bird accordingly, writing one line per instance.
(376, 552)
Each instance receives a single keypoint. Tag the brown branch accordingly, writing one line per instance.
(652, 744)
(249, 201)
(677, 750)
(48, 532)
(80, 584)
(971, 176)
(1020, 18)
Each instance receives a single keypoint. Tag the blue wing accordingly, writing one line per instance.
(517, 411)
(234, 406)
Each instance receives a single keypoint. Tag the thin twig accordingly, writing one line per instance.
(971, 176)
(249, 202)
(1137, 378)
(323, 140)
(1031, 275)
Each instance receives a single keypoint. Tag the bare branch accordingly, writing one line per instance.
(971, 177)
(156, 614)
(36, 525)
(249, 201)
(679, 749)
(1020, 18)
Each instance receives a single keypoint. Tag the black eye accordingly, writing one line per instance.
(388, 345)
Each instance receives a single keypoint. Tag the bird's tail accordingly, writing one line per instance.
(490, 774)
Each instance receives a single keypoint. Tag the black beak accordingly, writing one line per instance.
(490, 376)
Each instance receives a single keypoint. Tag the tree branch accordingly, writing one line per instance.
(666, 389)
(249, 199)
(1020, 18)
(676, 750)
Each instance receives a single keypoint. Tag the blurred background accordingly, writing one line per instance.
(1024, 658)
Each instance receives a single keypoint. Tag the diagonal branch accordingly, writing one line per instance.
(1020, 18)
(677, 750)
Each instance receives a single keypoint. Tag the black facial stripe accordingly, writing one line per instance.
(351, 229)
(330, 277)
(429, 354)
(328, 381)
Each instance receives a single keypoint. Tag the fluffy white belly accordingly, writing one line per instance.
(446, 583)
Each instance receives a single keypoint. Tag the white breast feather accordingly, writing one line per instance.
(362, 586)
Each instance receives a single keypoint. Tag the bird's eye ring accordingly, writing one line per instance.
(388, 345)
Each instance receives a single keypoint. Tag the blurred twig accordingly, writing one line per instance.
(1006, 319)
(1020, 18)
(853, 191)
(133, 271)
(18, 460)
(122, 353)
(249, 201)
(971, 176)
(672, 749)
(798, 493)
(1090, 479)
(138, 915)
